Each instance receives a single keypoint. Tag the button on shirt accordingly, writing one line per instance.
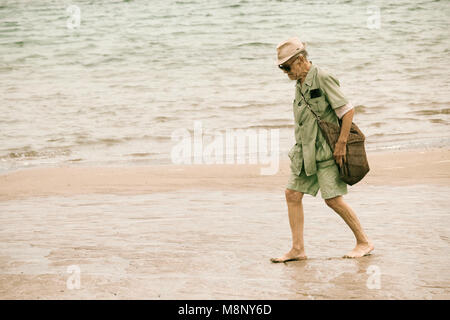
(311, 149)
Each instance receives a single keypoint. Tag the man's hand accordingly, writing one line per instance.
(340, 150)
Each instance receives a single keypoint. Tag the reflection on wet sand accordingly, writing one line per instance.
(217, 245)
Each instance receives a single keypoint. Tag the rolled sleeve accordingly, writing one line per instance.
(330, 86)
(341, 111)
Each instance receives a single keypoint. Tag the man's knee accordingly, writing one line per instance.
(334, 202)
(293, 196)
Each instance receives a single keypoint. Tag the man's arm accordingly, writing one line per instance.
(335, 97)
(341, 145)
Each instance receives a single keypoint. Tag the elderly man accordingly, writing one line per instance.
(313, 164)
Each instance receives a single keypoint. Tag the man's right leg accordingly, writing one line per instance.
(295, 211)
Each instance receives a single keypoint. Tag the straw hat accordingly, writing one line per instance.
(289, 48)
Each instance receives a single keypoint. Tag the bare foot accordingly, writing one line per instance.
(361, 249)
(293, 255)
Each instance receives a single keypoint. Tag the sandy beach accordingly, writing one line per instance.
(102, 101)
(386, 168)
(208, 231)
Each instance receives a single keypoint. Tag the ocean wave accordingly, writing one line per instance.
(19, 44)
(363, 65)
(431, 112)
(438, 121)
(82, 141)
(361, 109)
(400, 134)
(416, 8)
(255, 44)
(157, 138)
(403, 119)
(270, 126)
(142, 154)
(34, 154)
(164, 118)
(248, 106)
(237, 5)
(103, 61)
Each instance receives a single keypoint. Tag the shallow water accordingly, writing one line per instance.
(114, 89)
(217, 245)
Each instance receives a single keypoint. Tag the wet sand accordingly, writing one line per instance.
(208, 232)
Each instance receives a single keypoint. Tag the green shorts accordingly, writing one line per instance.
(326, 179)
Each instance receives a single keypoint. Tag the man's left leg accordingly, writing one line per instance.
(363, 244)
(332, 189)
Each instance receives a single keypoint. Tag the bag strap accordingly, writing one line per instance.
(309, 107)
(314, 113)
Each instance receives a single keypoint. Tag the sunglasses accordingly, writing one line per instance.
(286, 67)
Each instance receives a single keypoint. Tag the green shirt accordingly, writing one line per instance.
(311, 148)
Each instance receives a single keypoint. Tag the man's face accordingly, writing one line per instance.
(296, 68)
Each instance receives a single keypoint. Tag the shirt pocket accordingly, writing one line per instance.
(319, 104)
